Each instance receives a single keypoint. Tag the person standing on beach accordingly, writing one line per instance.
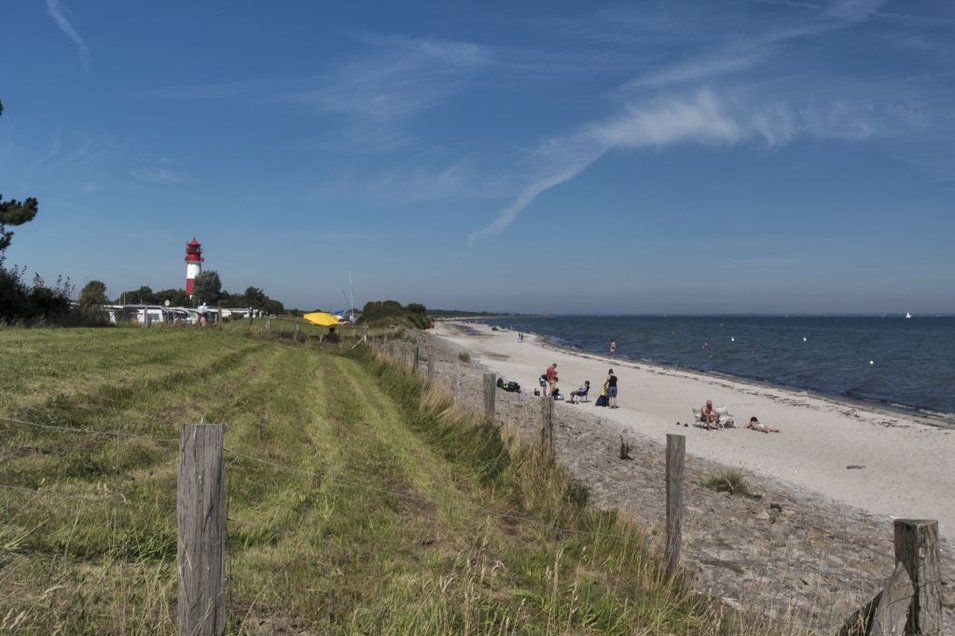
(551, 379)
(611, 385)
(613, 348)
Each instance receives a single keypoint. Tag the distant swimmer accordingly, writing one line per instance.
(706, 345)
(613, 348)
(804, 338)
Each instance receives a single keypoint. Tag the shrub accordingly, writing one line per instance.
(34, 303)
(731, 480)
(464, 356)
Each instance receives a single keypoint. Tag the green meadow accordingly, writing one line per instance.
(359, 499)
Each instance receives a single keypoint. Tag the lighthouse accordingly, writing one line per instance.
(194, 262)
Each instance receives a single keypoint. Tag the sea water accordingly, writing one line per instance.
(894, 361)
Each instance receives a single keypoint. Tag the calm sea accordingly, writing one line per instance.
(894, 361)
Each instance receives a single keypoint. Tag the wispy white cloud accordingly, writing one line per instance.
(398, 79)
(49, 156)
(56, 12)
(160, 174)
(459, 180)
(704, 118)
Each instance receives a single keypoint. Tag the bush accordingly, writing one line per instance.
(22, 303)
(731, 480)
(382, 313)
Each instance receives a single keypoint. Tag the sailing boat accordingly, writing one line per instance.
(348, 302)
(908, 315)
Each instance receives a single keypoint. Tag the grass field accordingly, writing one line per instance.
(359, 500)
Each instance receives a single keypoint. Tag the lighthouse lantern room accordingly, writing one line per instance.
(194, 262)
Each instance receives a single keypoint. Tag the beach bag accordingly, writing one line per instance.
(513, 387)
(601, 401)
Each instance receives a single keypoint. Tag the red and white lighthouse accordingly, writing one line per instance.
(194, 262)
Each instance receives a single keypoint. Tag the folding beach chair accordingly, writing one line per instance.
(727, 420)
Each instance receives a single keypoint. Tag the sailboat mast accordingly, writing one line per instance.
(351, 291)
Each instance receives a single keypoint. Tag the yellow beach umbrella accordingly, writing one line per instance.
(321, 319)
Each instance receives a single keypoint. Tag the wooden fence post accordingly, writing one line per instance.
(295, 333)
(200, 518)
(547, 423)
(417, 358)
(489, 389)
(916, 548)
(676, 451)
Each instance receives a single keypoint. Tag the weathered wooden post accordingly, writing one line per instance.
(676, 451)
(295, 333)
(200, 518)
(547, 423)
(417, 358)
(268, 325)
(489, 388)
(916, 548)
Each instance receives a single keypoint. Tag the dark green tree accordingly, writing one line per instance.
(92, 299)
(208, 287)
(273, 307)
(144, 295)
(13, 213)
(255, 297)
(176, 297)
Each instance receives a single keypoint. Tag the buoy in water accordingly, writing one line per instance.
(871, 362)
(804, 338)
(733, 339)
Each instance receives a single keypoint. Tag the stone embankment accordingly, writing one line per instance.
(792, 555)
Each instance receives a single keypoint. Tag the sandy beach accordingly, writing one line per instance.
(902, 467)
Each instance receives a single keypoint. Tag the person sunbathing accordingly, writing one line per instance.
(709, 416)
(756, 425)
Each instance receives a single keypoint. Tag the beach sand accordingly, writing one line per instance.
(907, 465)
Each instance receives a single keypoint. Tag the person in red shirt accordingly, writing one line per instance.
(551, 378)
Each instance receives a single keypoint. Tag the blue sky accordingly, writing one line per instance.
(652, 157)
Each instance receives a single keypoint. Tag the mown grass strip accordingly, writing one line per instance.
(359, 501)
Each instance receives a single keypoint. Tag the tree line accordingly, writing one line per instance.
(206, 289)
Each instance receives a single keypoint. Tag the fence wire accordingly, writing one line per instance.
(73, 429)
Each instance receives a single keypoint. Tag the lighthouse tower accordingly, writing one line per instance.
(194, 262)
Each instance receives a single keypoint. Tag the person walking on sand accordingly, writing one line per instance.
(613, 348)
(762, 428)
(611, 389)
(551, 376)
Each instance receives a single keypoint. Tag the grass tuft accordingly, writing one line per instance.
(731, 480)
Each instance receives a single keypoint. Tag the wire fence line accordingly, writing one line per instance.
(877, 555)
(119, 497)
(818, 569)
(73, 429)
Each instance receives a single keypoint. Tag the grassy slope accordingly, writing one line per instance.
(357, 500)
